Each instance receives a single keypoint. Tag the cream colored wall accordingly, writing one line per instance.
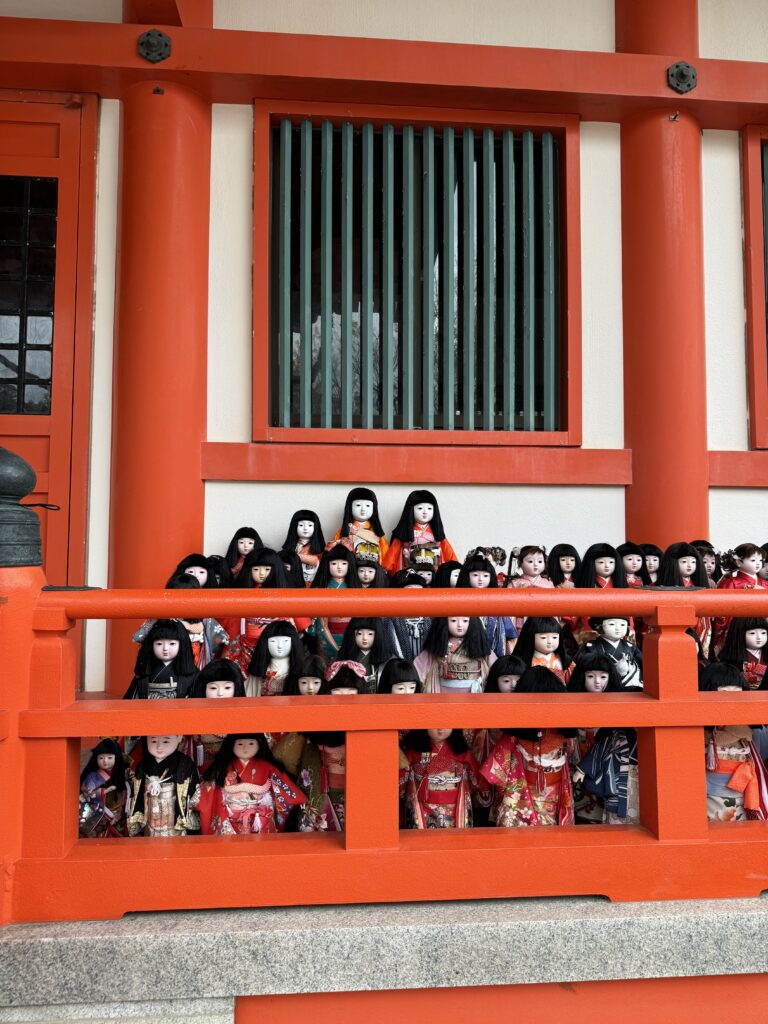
(733, 29)
(65, 10)
(556, 24)
(737, 516)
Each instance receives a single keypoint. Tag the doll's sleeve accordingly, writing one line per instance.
(392, 561)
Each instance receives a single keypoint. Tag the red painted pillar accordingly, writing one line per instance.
(160, 376)
(665, 408)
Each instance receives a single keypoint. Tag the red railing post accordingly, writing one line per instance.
(371, 802)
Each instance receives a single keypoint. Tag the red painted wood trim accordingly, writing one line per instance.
(190, 13)
(236, 67)
(471, 464)
(754, 283)
(738, 469)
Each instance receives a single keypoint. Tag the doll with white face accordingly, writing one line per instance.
(361, 530)
(278, 652)
(746, 648)
(456, 656)
(742, 568)
(420, 530)
(682, 566)
(563, 565)
(165, 665)
(220, 680)
(245, 541)
(633, 563)
(611, 641)
(541, 642)
(369, 642)
(337, 571)
(478, 573)
(164, 791)
(103, 792)
(305, 537)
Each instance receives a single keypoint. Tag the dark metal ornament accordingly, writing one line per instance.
(154, 46)
(682, 77)
(19, 525)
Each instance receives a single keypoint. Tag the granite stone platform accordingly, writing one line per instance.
(190, 966)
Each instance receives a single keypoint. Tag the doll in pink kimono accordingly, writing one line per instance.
(742, 572)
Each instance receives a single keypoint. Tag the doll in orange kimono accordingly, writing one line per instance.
(541, 642)
(305, 539)
(438, 776)
(420, 528)
(361, 530)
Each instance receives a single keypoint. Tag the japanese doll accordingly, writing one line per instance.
(531, 561)
(682, 566)
(541, 643)
(200, 567)
(399, 676)
(337, 571)
(456, 656)
(609, 637)
(246, 791)
(164, 791)
(633, 561)
(409, 633)
(438, 776)
(594, 673)
(278, 651)
(245, 541)
(207, 636)
(371, 575)
(218, 680)
(305, 538)
(711, 559)
(419, 531)
(370, 643)
(165, 665)
(503, 677)
(609, 771)
(478, 573)
(103, 792)
(361, 530)
(746, 647)
(742, 568)
(563, 565)
(653, 556)
(447, 575)
(600, 568)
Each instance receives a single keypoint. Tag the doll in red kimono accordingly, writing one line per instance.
(245, 541)
(653, 556)
(305, 538)
(420, 527)
(219, 679)
(541, 642)
(633, 561)
(246, 790)
(746, 647)
(682, 566)
(103, 792)
(438, 776)
(710, 556)
(528, 568)
(361, 530)
(742, 568)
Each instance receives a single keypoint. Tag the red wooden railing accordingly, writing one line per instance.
(673, 854)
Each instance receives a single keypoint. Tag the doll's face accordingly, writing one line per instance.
(105, 761)
(754, 639)
(427, 575)
(362, 510)
(364, 639)
(458, 626)
(407, 686)
(309, 686)
(652, 563)
(455, 576)
(366, 574)
(687, 566)
(165, 650)
(439, 736)
(260, 573)
(279, 646)
(507, 684)
(533, 564)
(763, 574)
(161, 747)
(546, 643)
(343, 691)
(605, 567)
(595, 682)
(567, 563)
(305, 529)
(338, 568)
(614, 629)
(245, 545)
(220, 688)
(709, 563)
(479, 578)
(200, 574)
(423, 512)
(245, 749)
(751, 564)
(632, 563)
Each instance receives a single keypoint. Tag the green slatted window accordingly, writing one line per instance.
(415, 278)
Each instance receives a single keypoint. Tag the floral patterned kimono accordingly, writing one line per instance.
(753, 669)
(256, 797)
(503, 769)
(402, 554)
(735, 581)
(437, 786)
(737, 784)
(303, 758)
(554, 664)
(533, 778)
(309, 562)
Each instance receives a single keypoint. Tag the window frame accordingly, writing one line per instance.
(752, 139)
(565, 127)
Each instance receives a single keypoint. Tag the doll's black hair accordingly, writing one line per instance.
(404, 529)
(345, 678)
(117, 775)
(594, 663)
(444, 572)
(669, 570)
(292, 565)
(277, 579)
(630, 548)
(261, 657)
(713, 676)
(734, 650)
(538, 680)
(312, 666)
(316, 541)
(406, 578)
(587, 576)
(524, 648)
(705, 548)
(508, 665)
(337, 553)
(418, 740)
(361, 494)
(380, 580)
(166, 629)
(398, 670)
(202, 562)
(477, 563)
(651, 549)
(596, 621)
(222, 571)
(233, 555)
(348, 649)
(473, 645)
(554, 571)
(182, 581)
(217, 772)
(729, 561)
(224, 671)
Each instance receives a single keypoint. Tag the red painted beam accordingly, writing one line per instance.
(738, 469)
(189, 13)
(236, 67)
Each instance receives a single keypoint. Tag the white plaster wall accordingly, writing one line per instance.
(737, 515)
(556, 24)
(101, 409)
(602, 332)
(733, 29)
(727, 413)
(64, 10)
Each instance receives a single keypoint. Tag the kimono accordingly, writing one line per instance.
(554, 664)
(245, 633)
(404, 554)
(270, 685)
(455, 673)
(610, 770)
(734, 581)
(634, 582)
(102, 807)
(205, 645)
(545, 765)
(737, 784)
(330, 631)
(164, 684)
(203, 749)
(309, 562)
(364, 543)
(582, 631)
(587, 806)
(504, 770)
(163, 796)
(499, 629)
(523, 583)
(409, 636)
(753, 669)
(703, 626)
(622, 649)
(256, 797)
(303, 759)
(436, 788)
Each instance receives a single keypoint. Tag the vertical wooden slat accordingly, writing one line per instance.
(508, 279)
(366, 319)
(529, 272)
(468, 283)
(326, 274)
(347, 186)
(428, 279)
(406, 346)
(764, 154)
(387, 275)
(285, 341)
(548, 280)
(305, 278)
(448, 282)
(489, 280)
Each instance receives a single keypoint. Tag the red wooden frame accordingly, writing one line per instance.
(752, 139)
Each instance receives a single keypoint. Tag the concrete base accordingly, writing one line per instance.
(199, 961)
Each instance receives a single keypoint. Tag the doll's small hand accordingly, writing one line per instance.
(578, 775)
(567, 585)
(622, 665)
